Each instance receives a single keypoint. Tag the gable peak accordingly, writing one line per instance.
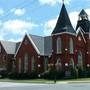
(83, 15)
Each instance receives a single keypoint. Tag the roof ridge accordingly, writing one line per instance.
(35, 35)
(39, 36)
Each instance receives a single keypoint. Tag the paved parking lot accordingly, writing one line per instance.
(61, 86)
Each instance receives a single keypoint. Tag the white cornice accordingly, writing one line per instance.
(64, 33)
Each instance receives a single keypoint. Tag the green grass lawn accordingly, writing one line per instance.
(43, 81)
(28, 81)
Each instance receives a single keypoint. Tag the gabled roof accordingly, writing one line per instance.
(10, 47)
(63, 23)
(83, 13)
(84, 24)
(43, 44)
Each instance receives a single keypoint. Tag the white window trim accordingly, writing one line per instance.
(45, 63)
(71, 63)
(59, 46)
(80, 60)
(58, 64)
(71, 46)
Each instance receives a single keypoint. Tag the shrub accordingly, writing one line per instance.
(31, 75)
(51, 75)
(3, 74)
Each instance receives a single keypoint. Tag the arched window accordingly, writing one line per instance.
(26, 63)
(59, 45)
(19, 65)
(46, 63)
(58, 65)
(71, 63)
(80, 60)
(32, 63)
(71, 47)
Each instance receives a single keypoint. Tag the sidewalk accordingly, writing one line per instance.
(11, 84)
(73, 81)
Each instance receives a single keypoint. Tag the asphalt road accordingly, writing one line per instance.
(17, 86)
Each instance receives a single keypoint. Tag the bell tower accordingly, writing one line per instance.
(83, 15)
(83, 22)
(83, 28)
(63, 39)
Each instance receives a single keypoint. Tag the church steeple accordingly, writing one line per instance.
(63, 23)
(83, 15)
(83, 21)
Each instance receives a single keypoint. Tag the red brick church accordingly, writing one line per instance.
(66, 48)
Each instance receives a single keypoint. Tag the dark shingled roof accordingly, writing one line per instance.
(83, 13)
(84, 23)
(63, 23)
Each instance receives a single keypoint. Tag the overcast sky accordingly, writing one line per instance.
(37, 17)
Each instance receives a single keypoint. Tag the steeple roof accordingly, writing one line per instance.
(83, 22)
(63, 23)
(83, 13)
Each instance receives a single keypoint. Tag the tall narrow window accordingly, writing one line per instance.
(19, 65)
(71, 48)
(33, 63)
(46, 63)
(71, 63)
(58, 65)
(4, 62)
(26, 63)
(80, 60)
(59, 45)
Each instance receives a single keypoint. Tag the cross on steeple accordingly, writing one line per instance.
(62, 1)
